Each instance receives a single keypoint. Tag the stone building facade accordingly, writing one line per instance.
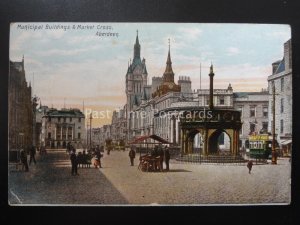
(281, 79)
(20, 108)
(254, 108)
(62, 126)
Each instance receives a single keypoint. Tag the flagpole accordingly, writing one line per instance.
(200, 76)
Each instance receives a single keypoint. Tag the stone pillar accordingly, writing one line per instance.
(179, 133)
(182, 141)
(205, 142)
(61, 137)
(72, 133)
(174, 130)
(55, 133)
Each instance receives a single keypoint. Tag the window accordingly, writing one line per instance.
(65, 120)
(252, 111)
(70, 119)
(207, 101)
(265, 126)
(271, 87)
(265, 111)
(281, 105)
(282, 84)
(58, 119)
(49, 119)
(49, 135)
(222, 100)
(240, 108)
(281, 126)
(252, 127)
(78, 135)
(79, 119)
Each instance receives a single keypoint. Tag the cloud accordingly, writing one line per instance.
(191, 33)
(232, 51)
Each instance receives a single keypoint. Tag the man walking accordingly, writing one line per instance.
(23, 156)
(73, 159)
(131, 156)
(167, 158)
(32, 152)
(249, 165)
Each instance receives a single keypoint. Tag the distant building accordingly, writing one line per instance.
(20, 108)
(281, 78)
(40, 112)
(118, 126)
(254, 108)
(62, 126)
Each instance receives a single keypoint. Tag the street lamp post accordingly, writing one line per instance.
(91, 130)
(274, 156)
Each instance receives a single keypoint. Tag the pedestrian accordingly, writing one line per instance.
(131, 156)
(249, 165)
(161, 155)
(23, 156)
(167, 158)
(98, 156)
(32, 152)
(73, 159)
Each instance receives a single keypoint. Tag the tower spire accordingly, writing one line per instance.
(137, 49)
(169, 74)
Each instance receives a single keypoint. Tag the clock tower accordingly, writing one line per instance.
(136, 77)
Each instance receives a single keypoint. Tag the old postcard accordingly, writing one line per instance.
(158, 114)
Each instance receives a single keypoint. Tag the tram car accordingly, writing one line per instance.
(260, 146)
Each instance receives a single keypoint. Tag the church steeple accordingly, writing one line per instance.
(137, 48)
(169, 74)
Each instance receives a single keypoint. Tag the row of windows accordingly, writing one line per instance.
(64, 136)
(253, 111)
(64, 119)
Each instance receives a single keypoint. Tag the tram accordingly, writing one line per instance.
(260, 146)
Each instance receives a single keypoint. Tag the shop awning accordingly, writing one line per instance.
(141, 139)
(286, 142)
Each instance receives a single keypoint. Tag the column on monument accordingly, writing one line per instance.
(61, 137)
(171, 131)
(182, 141)
(174, 130)
(72, 132)
(55, 132)
(205, 142)
(179, 133)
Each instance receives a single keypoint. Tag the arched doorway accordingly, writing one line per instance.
(219, 143)
(198, 143)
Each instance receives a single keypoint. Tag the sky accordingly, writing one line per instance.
(69, 63)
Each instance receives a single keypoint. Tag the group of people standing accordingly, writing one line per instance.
(164, 155)
(23, 157)
(76, 158)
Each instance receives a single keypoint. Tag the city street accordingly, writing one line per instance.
(50, 182)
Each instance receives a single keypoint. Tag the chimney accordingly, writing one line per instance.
(211, 88)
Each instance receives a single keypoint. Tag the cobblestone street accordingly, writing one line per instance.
(50, 182)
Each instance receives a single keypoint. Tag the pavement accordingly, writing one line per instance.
(117, 183)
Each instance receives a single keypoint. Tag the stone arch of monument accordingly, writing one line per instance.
(228, 121)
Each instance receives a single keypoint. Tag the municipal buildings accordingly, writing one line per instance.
(150, 108)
